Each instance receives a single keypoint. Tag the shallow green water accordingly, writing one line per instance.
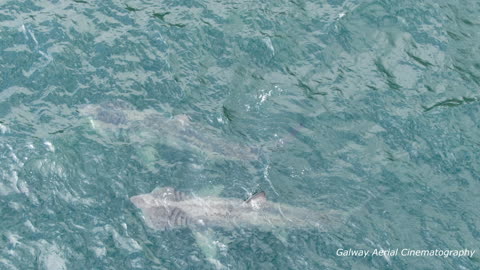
(368, 108)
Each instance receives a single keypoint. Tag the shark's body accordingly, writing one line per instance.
(166, 208)
(149, 127)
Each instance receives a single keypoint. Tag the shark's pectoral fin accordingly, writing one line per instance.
(148, 156)
(209, 245)
(169, 193)
(257, 199)
(281, 235)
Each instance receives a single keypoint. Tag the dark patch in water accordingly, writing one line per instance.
(161, 16)
(129, 8)
(228, 113)
(58, 131)
(453, 102)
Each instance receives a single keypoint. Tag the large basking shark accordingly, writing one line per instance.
(166, 208)
(207, 216)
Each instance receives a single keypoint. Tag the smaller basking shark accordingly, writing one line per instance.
(148, 127)
(166, 208)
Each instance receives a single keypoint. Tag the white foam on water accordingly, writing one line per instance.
(52, 257)
(9, 179)
(24, 31)
(99, 251)
(3, 129)
(264, 95)
(49, 146)
(269, 44)
(33, 37)
(29, 225)
(265, 176)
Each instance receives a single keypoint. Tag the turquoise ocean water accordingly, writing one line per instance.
(366, 108)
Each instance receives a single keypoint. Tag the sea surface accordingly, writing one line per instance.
(368, 108)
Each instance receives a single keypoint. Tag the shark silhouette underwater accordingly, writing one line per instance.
(148, 127)
(166, 208)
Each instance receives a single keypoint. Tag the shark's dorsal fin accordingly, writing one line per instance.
(169, 193)
(182, 119)
(257, 199)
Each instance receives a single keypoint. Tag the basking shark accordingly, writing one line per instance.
(208, 216)
(148, 127)
(166, 208)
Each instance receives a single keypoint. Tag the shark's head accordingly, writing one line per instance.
(143, 201)
(111, 116)
(112, 112)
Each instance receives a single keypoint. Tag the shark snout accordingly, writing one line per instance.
(146, 201)
(138, 201)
